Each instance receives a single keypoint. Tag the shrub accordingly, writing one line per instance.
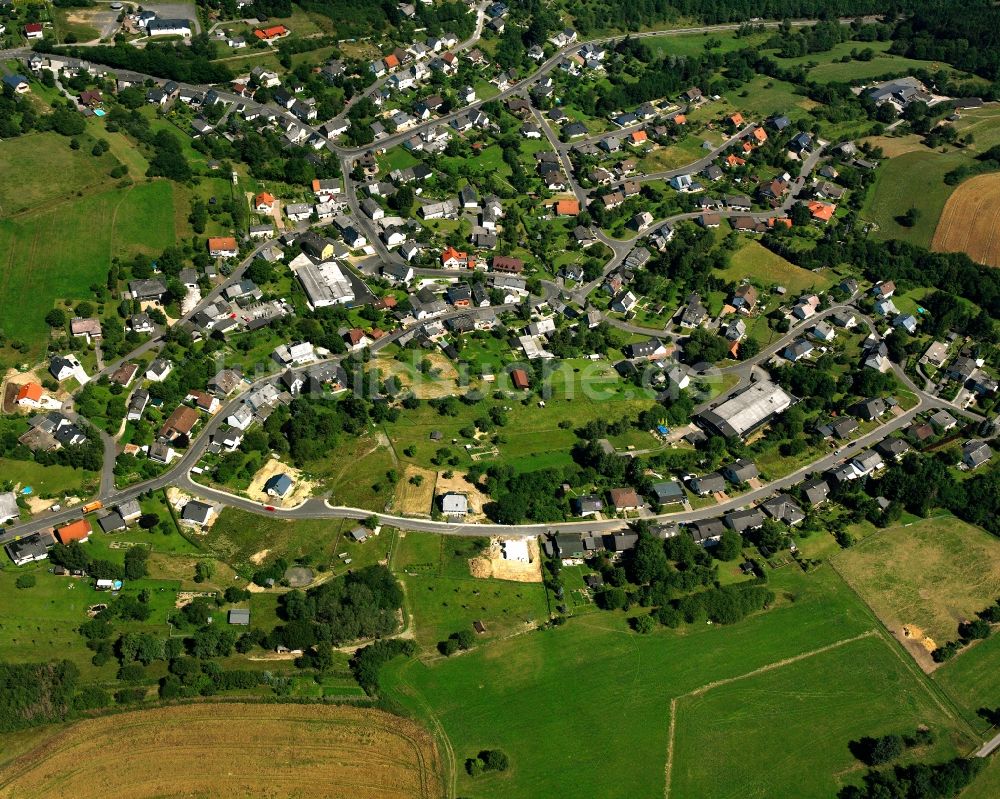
(26, 581)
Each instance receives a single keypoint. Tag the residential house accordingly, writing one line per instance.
(625, 499)
(711, 483)
(740, 471)
(976, 453)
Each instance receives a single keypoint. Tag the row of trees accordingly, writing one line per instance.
(921, 483)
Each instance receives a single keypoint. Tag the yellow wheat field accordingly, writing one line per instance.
(231, 750)
(970, 222)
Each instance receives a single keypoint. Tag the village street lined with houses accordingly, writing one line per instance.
(400, 335)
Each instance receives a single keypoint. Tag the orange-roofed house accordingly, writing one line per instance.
(454, 259)
(759, 135)
(680, 119)
(779, 220)
(391, 62)
(822, 212)
(520, 378)
(223, 247)
(638, 137)
(263, 203)
(272, 33)
(79, 530)
(567, 207)
(747, 147)
(734, 161)
(30, 396)
(736, 119)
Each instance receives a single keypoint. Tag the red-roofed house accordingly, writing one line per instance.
(638, 137)
(520, 378)
(759, 135)
(33, 30)
(79, 530)
(507, 264)
(263, 203)
(391, 62)
(272, 33)
(30, 396)
(456, 259)
(625, 499)
(821, 211)
(736, 119)
(734, 161)
(567, 207)
(223, 247)
(680, 119)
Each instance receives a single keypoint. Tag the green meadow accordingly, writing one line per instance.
(585, 709)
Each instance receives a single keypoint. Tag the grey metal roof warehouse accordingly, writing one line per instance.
(748, 410)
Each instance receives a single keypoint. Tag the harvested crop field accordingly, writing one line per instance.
(240, 750)
(970, 222)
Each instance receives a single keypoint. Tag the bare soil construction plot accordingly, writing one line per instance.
(301, 489)
(970, 222)
(241, 750)
(493, 564)
(440, 383)
(458, 484)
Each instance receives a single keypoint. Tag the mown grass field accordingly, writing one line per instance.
(306, 750)
(545, 697)
(58, 252)
(913, 176)
(444, 597)
(971, 680)
(58, 233)
(787, 730)
(931, 573)
(755, 261)
(911, 180)
(691, 44)
(26, 158)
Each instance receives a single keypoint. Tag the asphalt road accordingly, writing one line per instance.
(179, 474)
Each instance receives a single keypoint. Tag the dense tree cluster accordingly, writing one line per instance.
(920, 483)
(917, 781)
(181, 62)
(36, 693)
(677, 580)
(369, 660)
(903, 263)
(877, 751)
(362, 604)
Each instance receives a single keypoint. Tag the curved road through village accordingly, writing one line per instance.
(179, 475)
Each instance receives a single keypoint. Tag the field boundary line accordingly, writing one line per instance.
(668, 768)
(940, 696)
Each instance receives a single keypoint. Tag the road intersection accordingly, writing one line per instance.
(179, 475)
